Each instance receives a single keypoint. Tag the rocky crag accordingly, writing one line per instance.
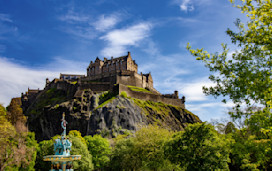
(112, 99)
(102, 113)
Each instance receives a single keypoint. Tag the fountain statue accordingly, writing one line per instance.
(62, 160)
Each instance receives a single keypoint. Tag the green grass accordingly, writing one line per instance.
(105, 98)
(74, 82)
(139, 89)
(158, 107)
(51, 97)
(187, 111)
(105, 102)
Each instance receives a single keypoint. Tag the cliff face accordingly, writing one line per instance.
(104, 114)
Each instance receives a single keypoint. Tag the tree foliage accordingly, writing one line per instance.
(249, 153)
(45, 148)
(79, 147)
(245, 76)
(76, 133)
(100, 150)
(18, 149)
(199, 147)
(15, 112)
(145, 151)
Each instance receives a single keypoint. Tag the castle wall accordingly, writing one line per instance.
(63, 85)
(97, 86)
(123, 77)
(151, 97)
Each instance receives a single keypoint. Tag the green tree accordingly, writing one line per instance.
(15, 112)
(100, 150)
(246, 76)
(149, 147)
(199, 147)
(79, 147)
(230, 128)
(46, 147)
(122, 157)
(145, 151)
(76, 133)
(249, 153)
(32, 149)
(18, 149)
(6, 140)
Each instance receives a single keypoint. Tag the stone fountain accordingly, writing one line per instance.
(62, 160)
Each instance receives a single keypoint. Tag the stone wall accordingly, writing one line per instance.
(149, 96)
(97, 86)
(123, 77)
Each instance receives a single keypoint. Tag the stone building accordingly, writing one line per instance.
(123, 63)
(121, 70)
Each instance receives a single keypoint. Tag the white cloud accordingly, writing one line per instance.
(107, 22)
(119, 39)
(209, 109)
(16, 78)
(7, 28)
(81, 25)
(80, 32)
(72, 17)
(186, 5)
(77, 25)
(151, 48)
(5, 18)
(208, 104)
(193, 91)
(189, 5)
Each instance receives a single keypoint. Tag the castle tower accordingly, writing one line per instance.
(95, 68)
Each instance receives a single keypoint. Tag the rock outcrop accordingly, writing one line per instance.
(103, 113)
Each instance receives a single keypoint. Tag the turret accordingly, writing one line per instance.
(176, 94)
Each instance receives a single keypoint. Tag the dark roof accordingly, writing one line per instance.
(116, 59)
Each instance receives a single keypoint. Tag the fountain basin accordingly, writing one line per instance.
(61, 158)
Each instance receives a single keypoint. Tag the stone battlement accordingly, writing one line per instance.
(150, 96)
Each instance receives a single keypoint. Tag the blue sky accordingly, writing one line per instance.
(43, 38)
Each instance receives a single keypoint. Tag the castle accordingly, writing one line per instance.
(116, 75)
